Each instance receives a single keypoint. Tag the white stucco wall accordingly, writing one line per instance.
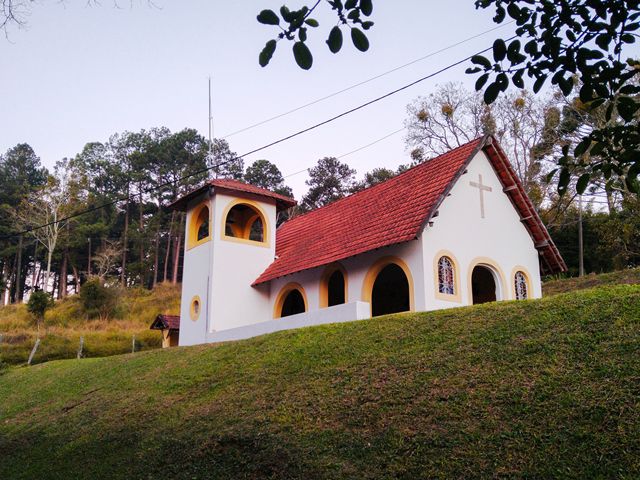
(197, 271)
(234, 302)
(500, 237)
(357, 268)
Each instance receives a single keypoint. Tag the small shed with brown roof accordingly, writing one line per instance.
(169, 326)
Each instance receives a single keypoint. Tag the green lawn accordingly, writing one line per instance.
(630, 276)
(538, 389)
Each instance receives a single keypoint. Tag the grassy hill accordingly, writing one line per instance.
(537, 389)
(630, 276)
(137, 307)
(65, 323)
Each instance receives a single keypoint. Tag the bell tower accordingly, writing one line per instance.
(230, 241)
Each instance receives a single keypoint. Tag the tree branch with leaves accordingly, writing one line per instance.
(294, 26)
(569, 43)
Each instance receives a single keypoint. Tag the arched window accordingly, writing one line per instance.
(290, 301)
(245, 222)
(446, 276)
(333, 286)
(335, 289)
(199, 226)
(521, 287)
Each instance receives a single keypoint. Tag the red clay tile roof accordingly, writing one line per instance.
(234, 186)
(393, 212)
(164, 322)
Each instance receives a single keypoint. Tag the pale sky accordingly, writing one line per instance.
(79, 74)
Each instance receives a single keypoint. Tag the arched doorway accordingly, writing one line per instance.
(483, 285)
(390, 292)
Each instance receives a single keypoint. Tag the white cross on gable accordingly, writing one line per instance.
(482, 188)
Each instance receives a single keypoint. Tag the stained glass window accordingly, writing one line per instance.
(446, 278)
(521, 286)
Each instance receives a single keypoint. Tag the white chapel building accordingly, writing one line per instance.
(456, 230)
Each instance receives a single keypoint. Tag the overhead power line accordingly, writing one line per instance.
(352, 151)
(359, 84)
(255, 150)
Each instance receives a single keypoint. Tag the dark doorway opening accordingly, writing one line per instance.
(293, 304)
(335, 289)
(483, 285)
(390, 292)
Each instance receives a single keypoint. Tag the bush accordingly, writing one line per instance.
(38, 304)
(98, 300)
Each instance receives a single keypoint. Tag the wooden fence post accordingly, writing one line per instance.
(133, 344)
(33, 352)
(81, 347)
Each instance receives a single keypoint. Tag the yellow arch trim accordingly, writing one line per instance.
(457, 287)
(492, 265)
(282, 295)
(372, 274)
(259, 211)
(324, 283)
(527, 276)
(194, 225)
(192, 309)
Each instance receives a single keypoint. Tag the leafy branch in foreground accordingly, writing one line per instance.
(576, 42)
(294, 25)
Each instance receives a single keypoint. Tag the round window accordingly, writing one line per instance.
(195, 308)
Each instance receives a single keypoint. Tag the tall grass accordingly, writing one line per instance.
(66, 322)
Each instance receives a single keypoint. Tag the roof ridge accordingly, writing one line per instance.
(233, 180)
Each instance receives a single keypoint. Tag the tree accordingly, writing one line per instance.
(106, 259)
(351, 15)
(569, 42)
(20, 174)
(223, 162)
(566, 127)
(452, 116)
(16, 12)
(43, 212)
(38, 304)
(98, 300)
(182, 154)
(264, 174)
(328, 181)
(446, 119)
(375, 176)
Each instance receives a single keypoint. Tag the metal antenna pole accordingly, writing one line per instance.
(210, 119)
(211, 133)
